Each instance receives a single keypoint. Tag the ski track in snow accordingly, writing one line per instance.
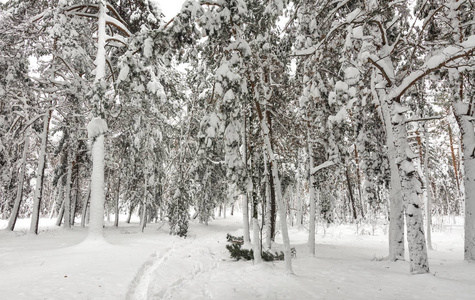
(140, 284)
(160, 278)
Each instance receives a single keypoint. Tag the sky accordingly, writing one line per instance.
(169, 8)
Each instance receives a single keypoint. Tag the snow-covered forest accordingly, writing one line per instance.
(311, 132)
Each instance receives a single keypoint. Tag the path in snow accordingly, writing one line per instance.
(347, 266)
(163, 274)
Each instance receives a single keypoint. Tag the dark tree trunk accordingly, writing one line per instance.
(350, 191)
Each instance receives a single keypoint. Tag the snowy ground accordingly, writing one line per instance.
(154, 265)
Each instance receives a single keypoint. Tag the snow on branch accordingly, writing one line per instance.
(116, 23)
(96, 127)
(326, 164)
(449, 54)
(382, 70)
(423, 119)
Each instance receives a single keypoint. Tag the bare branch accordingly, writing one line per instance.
(383, 72)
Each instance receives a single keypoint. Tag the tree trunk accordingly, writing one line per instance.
(278, 192)
(35, 216)
(131, 210)
(428, 194)
(245, 204)
(116, 219)
(76, 197)
(143, 221)
(143, 218)
(311, 199)
(358, 182)
(21, 180)
(96, 223)
(55, 196)
(396, 217)
(67, 193)
(273, 205)
(256, 241)
(454, 160)
(267, 222)
(463, 117)
(84, 207)
(59, 219)
(350, 192)
(419, 263)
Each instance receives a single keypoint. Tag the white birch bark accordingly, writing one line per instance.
(35, 216)
(21, 180)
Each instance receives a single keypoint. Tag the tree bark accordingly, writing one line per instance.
(21, 180)
(35, 216)
(311, 200)
(245, 204)
(463, 116)
(428, 194)
(278, 191)
(84, 207)
(419, 263)
(454, 160)
(273, 206)
(59, 219)
(116, 219)
(67, 193)
(350, 192)
(267, 222)
(396, 217)
(96, 223)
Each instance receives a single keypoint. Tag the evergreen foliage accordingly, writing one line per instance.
(238, 253)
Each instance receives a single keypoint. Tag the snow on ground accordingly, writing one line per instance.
(56, 264)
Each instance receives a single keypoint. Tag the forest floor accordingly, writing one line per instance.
(349, 264)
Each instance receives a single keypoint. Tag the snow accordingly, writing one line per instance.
(341, 86)
(154, 265)
(148, 47)
(352, 75)
(123, 73)
(326, 164)
(96, 127)
(354, 14)
(358, 32)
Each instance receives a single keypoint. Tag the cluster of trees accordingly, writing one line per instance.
(345, 110)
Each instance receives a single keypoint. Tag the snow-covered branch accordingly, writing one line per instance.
(423, 119)
(449, 54)
(324, 165)
(382, 70)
